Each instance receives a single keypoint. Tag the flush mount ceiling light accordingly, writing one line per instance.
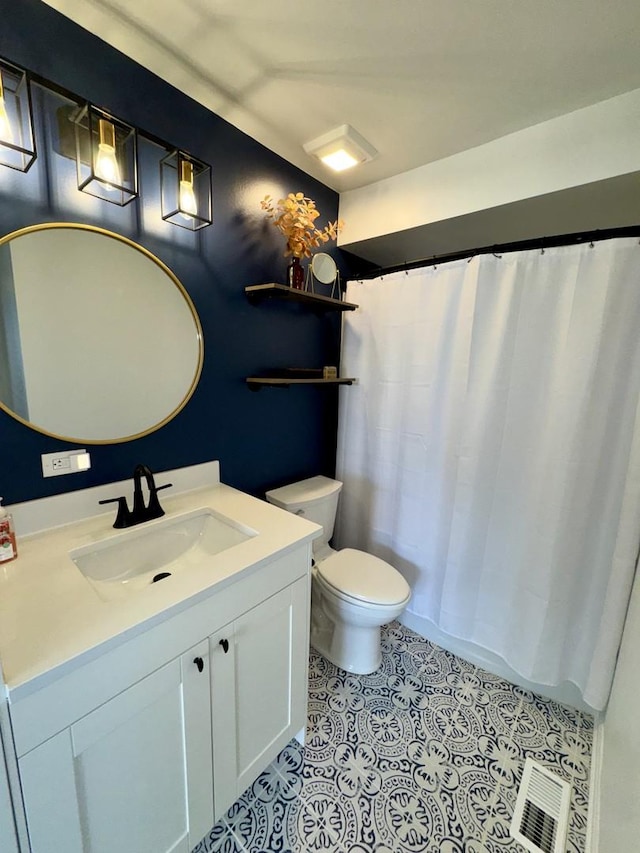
(106, 156)
(17, 149)
(341, 148)
(186, 191)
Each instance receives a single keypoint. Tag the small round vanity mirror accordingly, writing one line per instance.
(324, 268)
(99, 341)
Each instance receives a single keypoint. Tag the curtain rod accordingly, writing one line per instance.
(502, 248)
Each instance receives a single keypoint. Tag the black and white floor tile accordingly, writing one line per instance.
(423, 756)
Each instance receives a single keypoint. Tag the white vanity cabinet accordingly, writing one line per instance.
(144, 747)
(135, 774)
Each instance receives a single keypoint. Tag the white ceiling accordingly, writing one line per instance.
(419, 79)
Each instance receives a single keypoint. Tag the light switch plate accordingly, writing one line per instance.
(65, 462)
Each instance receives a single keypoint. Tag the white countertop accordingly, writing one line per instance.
(51, 616)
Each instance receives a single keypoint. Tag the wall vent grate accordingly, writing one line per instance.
(541, 814)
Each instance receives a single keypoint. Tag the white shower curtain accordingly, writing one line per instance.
(491, 450)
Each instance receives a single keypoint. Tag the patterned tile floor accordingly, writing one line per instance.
(423, 756)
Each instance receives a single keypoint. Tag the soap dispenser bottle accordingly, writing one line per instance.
(8, 547)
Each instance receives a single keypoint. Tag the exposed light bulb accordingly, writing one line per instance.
(187, 198)
(106, 167)
(188, 203)
(6, 134)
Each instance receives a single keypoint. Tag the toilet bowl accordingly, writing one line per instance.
(353, 593)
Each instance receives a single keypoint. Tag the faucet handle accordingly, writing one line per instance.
(123, 516)
(154, 510)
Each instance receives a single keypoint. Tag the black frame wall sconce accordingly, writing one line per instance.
(186, 191)
(105, 149)
(106, 156)
(17, 146)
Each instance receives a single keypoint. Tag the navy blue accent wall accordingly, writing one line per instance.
(262, 439)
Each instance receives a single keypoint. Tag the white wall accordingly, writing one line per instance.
(590, 145)
(619, 806)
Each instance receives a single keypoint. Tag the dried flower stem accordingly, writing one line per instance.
(294, 217)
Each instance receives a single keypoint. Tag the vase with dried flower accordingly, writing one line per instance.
(295, 273)
(294, 216)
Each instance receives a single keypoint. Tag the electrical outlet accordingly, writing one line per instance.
(65, 462)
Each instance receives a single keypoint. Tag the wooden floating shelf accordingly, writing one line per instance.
(256, 382)
(295, 376)
(257, 293)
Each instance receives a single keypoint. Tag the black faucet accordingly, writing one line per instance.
(141, 512)
(153, 509)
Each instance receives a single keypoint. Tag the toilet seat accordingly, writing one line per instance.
(353, 574)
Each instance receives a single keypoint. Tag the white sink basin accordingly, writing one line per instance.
(132, 560)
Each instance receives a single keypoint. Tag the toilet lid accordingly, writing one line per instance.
(363, 576)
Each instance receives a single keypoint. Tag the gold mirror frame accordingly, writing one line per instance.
(196, 342)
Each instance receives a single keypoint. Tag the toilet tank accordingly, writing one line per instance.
(315, 499)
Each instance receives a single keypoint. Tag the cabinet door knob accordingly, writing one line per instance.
(225, 645)
(199, 663)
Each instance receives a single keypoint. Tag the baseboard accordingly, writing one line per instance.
(593, 816)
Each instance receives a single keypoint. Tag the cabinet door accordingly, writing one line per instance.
(135, 774)
(259, 689)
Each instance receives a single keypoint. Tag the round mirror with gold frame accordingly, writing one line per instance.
(99, 341)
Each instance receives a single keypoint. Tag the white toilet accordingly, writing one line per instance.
(353, 593)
